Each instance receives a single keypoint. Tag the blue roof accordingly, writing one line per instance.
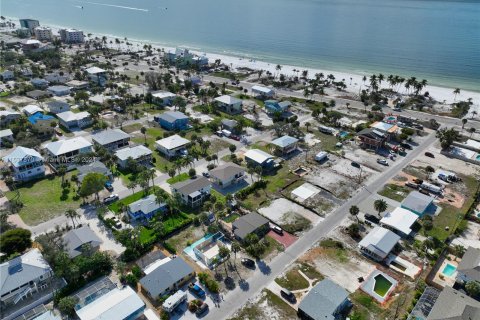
(39, 117)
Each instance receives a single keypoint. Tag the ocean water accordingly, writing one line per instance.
(438, 40)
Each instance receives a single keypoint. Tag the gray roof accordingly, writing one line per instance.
(284, 141)
(21, 270)
(380, 241)
(189, 186)
(96, 166)
(133, 152)
(470, 264)
(149, 258)
(229, 123)
(146, 205)
(21, 156)
(454, 305)
(247, 224)
(76, 238)
(226, 171)
(58, 104)
(166, 275)
(171, 116)
(417, 201)
(323, 300)
(108, 136)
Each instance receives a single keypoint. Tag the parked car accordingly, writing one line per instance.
(397, 109)
(111, 198)
(249, 263)
(195, 289)
(355, 164)
(406, 146)
(382, 161)
(235, 137)
(288, 295)
(418, 181)
(109, 186)
(411, 185)
(429, 154)
(276, 229)
(372, 218)
(219, 133)
(206, 174)
(202, 309)
(116, 223)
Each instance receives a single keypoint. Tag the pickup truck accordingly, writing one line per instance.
(195, 289)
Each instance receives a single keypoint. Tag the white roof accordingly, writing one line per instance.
(262, 89)
(132, 152)
(68, 116)
(5, 133)
(95, 70)
(226, 99)
(400, 219)
(473, 143)
(116, 304)
(380, 241)
(153, 266)
(150, 315)
(31, 109)
(258, 155)
(172, 142)
(63, 146)
(21, 155)
(31, 41)
(163, 94)
(380, 125)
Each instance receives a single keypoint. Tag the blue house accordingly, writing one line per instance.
(273, 106)
(172, 120)
(146, 208)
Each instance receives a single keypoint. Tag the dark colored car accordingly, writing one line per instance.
(206, 174)
(202, 309)
(109, 186)
(372, 218)
(355, 164)
(249, 263)
(406, 146)
(195, 289)
(429, 154)
(288, 295)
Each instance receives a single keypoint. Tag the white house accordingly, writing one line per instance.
(72, 120)
(97, 75)
(172, 146)
(399, 221)
(229, 104)
(262, 92)
(59, 90)
(31, 109)
(140, 154)
(25, 164)
(163, 98)
(378, 243)
(64, 152)
(111, 139)
(6, 135)
(259, 157)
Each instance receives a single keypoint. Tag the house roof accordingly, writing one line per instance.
(226, 99)
(95, 70)
(383, 126)
(21, 270)
(380, 241)
(400, 219)
(150, 258)
(58, 88)
(167, 274)
(109, 136)
(172, 142)
(132, 152)
(5, 133)
(262, 89)
(68, 116)
(57, 104)
(38, 93)
(63, 146)
(258, 155)
(21, 155)
(116, 304)
(226, 171)
(229, 123)
(417, 202)
(247, 224)
(171, 116)
(146, 205)
(31, 109)
(76, 238)
(95, 166)
(323, 300)
(371, 134)
(191, 185)
(470, 264)
(163, 94)
(284, 141)
(454, 305)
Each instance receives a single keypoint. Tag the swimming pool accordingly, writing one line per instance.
(343, 134)
(189, 250)
(382, 285)
(449, 270)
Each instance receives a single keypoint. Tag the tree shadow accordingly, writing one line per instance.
(244, 285)
(229, 283)
(263, 267)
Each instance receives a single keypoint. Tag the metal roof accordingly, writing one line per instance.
(284, 141)
(109, 136)
(133, 152)
(258, 155)
(21, 156)
(262, 89)
(172, 142)
(226, 171)
(95, 70)
(400, 219)
(323, 300)
(187, 187)
(146, 205)
(226, 99)
(380, 241)
(68, 116)
(171, 116)
(417, 202)
(163, 94)
(6, 133)
(64, 146)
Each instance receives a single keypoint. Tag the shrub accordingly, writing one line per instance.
(242, 194)
(169, 247)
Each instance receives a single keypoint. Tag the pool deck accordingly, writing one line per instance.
(444, 280)
(369, 285)
(411, 270)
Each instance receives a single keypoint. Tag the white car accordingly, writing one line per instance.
(382, 161)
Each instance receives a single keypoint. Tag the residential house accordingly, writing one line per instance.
(56, 107)
(39, 83)
(469, 268)
(38, 94)
(262, 92)
(389, 130)
(371, 138)
(25, 164)
(22, 276)
(378, 243)
(454, 305)
(146, 208)
(418, 203)
(59, 90)
(257, 157)
(325, 301)
(229, 104)
(97, 75)
(118, 303)
(7, 75)
(58, 77)
(274, 106)
(163, 98)
(94, 167)
(399, 221)
(42, 125)
(166, 278)
(111, 139)
(64, 152)
(77, 241)
(31, 109)
(208, 251)
(285, 145)
(72, 120)
(172, 146)
(6, 136)
(252, 223)
(194, 191)
(78, 85)
(141, 154)
(7, 117)
(230, 125)
(71, 35)
(227, 174)
(172, 120)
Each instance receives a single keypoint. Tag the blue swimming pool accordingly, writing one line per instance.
(449, 270)
(189, 250)
(343, 134)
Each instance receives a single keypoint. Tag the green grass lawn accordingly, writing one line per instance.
(152, 135)
(220, 197)
(363, 300)
(43, 199)
(292, 280)
(231, 218)
(132, 127)
(229, 75)
(327, 141)
(395, 192)
(175, 221)
(146, 235)
(181, 177)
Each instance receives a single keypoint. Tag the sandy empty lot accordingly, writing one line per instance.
(279, 207)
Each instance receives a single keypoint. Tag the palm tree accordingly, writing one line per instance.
(354, 211)
(62, 170)
(72, 214)
(224, 253)
(307, 125)
(132, 185)
(464, 122)
(380, 205)
(235, 248)
(143, 130)
(455, 92)
(472, 131)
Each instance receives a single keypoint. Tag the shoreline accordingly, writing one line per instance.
(352, 80)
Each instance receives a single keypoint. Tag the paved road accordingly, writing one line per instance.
(238, 297)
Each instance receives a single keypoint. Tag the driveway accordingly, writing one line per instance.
(286, 238)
